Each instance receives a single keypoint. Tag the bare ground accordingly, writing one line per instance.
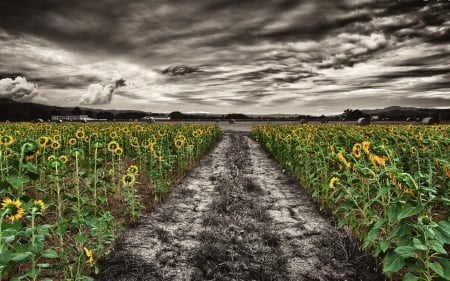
(237, 217)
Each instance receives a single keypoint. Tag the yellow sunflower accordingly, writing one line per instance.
(56, 144)
(128, 179)
(112, 146)
(89, 255)
(39, 205)
(332, 183)
(118, 151)
(72, 141)
(79, 134)
(133, 169)
(179, 142)
(357, 150)
(64, 158)
(7, 140)
(12, 209)
(366, 146)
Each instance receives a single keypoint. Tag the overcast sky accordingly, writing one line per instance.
(247, 56)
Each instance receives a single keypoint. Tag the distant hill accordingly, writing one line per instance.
(22, 111)
(403, 113)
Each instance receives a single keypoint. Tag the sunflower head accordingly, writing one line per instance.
(357, 150)
(128, 179)
(39, 205)
(89, 255)
(133, 169)
(12, 209)
(77, 153)
(112, 146)
(55, 163)
(7, 140)
(332, 183)
(118, 151)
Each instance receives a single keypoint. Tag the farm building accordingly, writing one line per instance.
(69, 117)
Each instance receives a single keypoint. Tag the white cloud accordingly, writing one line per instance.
(18, 89)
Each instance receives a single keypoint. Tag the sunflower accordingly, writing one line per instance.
(44, 141)
(30, 149)
(357, 150)
(72, 141)
(89, 255)
(366, 146)
(179, 142)
(98, 144)
(56, 144)
(64, 158)
(112, 146)
(161, 133)
(133, 169)
(332, 183)
(7, 140)
(55, 163)
(12, 209)
(113, 135)
(155, 154)
(8, 152)
(76, 152)
(344, 160)
(79, 134)
(118, 151)
(57, 137)
(39, 205)
(128, 179)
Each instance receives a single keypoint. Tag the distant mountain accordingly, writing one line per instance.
(22, 111)
(25, 111)
(403, 113)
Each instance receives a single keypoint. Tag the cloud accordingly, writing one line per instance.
(18, 89)
(103, 94)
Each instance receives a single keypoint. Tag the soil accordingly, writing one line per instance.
(237, 216)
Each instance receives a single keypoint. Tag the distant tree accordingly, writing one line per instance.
(76, 111)
(176, 115)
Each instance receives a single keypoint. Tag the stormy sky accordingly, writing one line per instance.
(227, 56)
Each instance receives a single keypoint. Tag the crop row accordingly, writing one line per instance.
(388, 184)
(68, 190)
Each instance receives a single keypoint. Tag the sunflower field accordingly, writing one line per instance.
(390, 185)
(68, 190)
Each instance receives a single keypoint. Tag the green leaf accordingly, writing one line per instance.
(409, 211)
(385, 245)
(400, 230)
(20, 257)
(410, 277)
(446, 268)
(405, 251)
(438, 247)
(5, 257)
(49, 253)
(43, 265)
(17, 181)
(443, 229)
(36, 248)
(437, 267)
(80, 238)
(393, 262)
(418, 245)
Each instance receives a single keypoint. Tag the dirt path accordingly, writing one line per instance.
(236, 217)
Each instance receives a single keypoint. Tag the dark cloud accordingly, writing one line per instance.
(227, 52)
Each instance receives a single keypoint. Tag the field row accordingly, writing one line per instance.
(68, 190)
(388, 184)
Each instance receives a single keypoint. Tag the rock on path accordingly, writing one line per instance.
(236, 216)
